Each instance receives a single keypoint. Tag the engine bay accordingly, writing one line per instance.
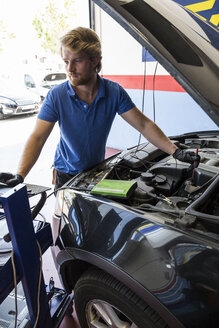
(189, 196)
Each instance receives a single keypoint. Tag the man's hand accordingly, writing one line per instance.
(187, 156)
(10, 179)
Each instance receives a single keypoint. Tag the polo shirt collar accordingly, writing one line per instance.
(101, 87)
(71, 90)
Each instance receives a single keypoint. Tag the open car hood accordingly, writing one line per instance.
(182, 42)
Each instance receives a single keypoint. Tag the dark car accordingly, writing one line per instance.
(137, 236)
(15, 100)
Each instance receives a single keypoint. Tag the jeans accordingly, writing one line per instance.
(61, 178)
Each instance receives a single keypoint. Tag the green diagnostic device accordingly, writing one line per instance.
(114, 188)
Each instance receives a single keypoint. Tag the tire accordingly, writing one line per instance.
(100, 298)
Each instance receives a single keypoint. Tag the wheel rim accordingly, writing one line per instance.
(101, 314)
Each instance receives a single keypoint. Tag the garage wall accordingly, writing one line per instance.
(163, 100)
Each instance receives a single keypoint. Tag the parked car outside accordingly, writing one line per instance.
(36, 81)
(41, 83)
(15, 100)
(52, 79)
(32, 83)
(137, 236)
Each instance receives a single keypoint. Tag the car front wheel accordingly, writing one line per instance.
(102, 301)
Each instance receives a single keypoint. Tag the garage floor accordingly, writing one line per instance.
(49, 269)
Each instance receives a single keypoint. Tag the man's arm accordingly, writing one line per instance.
(149, 130)
(34, 146)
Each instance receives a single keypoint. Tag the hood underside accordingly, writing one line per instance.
(184, 44)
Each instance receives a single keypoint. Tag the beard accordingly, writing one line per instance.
(80, 80)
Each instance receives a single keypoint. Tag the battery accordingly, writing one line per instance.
(114, 188)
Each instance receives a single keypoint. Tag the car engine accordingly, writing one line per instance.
(186, 195)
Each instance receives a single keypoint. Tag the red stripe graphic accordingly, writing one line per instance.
(161, 82)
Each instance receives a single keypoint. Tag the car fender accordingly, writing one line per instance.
(155, 261)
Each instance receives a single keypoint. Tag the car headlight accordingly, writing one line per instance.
(7, 106)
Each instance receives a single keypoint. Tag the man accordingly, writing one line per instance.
(85, 107)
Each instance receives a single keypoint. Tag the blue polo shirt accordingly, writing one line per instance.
(83, 129)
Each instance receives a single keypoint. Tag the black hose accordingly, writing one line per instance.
(209, 192)
(39, 205)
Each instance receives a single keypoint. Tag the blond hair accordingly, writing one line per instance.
(83, 39)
